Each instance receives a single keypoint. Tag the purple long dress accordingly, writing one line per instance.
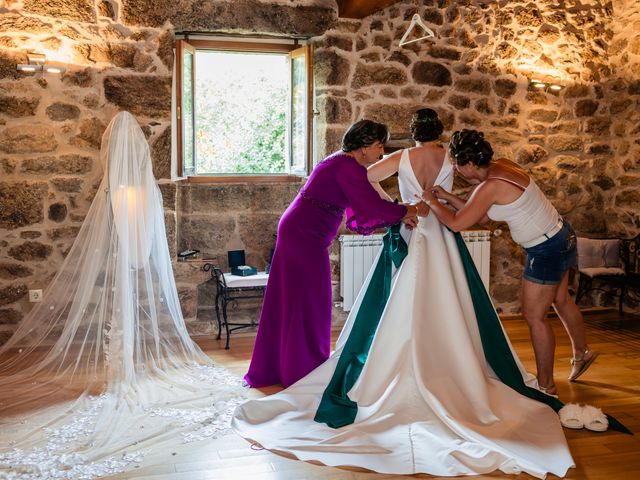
(294, 332)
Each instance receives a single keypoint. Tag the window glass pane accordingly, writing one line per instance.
(187, 113)
(298, 113)
(241, 105)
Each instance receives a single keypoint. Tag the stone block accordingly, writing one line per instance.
(57, 212)
(629, 199)
(215, 198)
(205, 233)
(473, 85)
(543, 115)
(21, 204)
(381, 74)
(604, 182)
(68, 185)
(76, 10)
(70, 232)
(12, 293)
(238, 16)
(336, 110)
(29, 251)
(161, 155)
(148, 95)
(396, 118)
(585, 108)
(18, 106)
(11, 271)
(400, 57)
(27, 139)
(564, 143)
(330, 68)
(446, 53)
(257, 232)
(59, 112)
(619, 106)
(431, 73)
(273, 197)
(530, 154)
(64, 164)
(9, 316)
(371, 57)
(577, 91)
(598, 126)
(485, 107)
(168, 192)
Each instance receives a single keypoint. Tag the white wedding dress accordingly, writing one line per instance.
(427, 400)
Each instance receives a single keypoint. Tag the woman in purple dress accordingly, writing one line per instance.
(294, 332)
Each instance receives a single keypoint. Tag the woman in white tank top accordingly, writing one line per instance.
(505, 192)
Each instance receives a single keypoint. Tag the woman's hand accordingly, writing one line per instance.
(440, 192)
(410, 218)
(422, 209)
(429, 196)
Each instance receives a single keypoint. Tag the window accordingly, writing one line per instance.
(243, 109)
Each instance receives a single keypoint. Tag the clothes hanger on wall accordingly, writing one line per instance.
(416, 20)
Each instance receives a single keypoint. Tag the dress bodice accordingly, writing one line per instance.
(408, 182)
(411, 189)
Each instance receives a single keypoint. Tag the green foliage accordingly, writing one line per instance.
(241, 122)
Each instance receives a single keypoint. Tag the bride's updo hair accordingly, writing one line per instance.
(364, 133)
(470, 146)
(425, 125)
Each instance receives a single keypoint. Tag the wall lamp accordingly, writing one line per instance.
(545, 86)
(37, 64)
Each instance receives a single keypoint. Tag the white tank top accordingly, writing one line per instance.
(529, 216)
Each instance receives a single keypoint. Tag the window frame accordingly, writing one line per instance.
(272, 45)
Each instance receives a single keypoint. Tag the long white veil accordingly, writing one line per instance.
(103, 369)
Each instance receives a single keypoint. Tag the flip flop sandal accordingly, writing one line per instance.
(571, 416)
(551, 391)
(579, 366)
(594, 419)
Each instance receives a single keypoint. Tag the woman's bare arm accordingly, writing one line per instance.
(384, 168)
(472, 212)
(454, 201)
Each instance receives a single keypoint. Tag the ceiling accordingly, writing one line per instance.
(361, 8)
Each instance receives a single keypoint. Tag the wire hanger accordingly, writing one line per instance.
(416, 20)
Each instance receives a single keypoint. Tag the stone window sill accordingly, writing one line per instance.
(245, 179)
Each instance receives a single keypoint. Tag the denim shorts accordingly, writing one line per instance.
(548, 261)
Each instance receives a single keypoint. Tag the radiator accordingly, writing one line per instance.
(357, 253)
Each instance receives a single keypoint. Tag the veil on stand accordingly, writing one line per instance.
(103, 372)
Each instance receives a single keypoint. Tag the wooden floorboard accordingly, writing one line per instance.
(613, 383)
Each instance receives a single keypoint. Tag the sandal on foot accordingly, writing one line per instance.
(594, 419)
(580, 365)
(549, 390)
(571, 416)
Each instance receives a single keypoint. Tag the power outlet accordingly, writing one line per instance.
(35, 295)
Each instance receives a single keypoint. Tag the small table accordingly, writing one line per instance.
(230, 288)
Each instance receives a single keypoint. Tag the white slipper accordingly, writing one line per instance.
(571, 416)
(594, 419)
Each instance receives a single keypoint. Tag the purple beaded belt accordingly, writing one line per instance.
(326, 206)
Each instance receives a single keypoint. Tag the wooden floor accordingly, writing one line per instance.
(613, 383)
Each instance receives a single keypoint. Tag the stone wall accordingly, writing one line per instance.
(580, 144)
(118, 55)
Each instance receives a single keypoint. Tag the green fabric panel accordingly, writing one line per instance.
(495, 344)
(336, 409)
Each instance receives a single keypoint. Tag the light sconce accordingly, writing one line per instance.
(545, 86)
(37, 64)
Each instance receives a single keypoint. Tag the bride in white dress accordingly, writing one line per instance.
(427, 399)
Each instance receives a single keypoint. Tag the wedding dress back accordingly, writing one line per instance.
(105, 361)
(427, 401)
